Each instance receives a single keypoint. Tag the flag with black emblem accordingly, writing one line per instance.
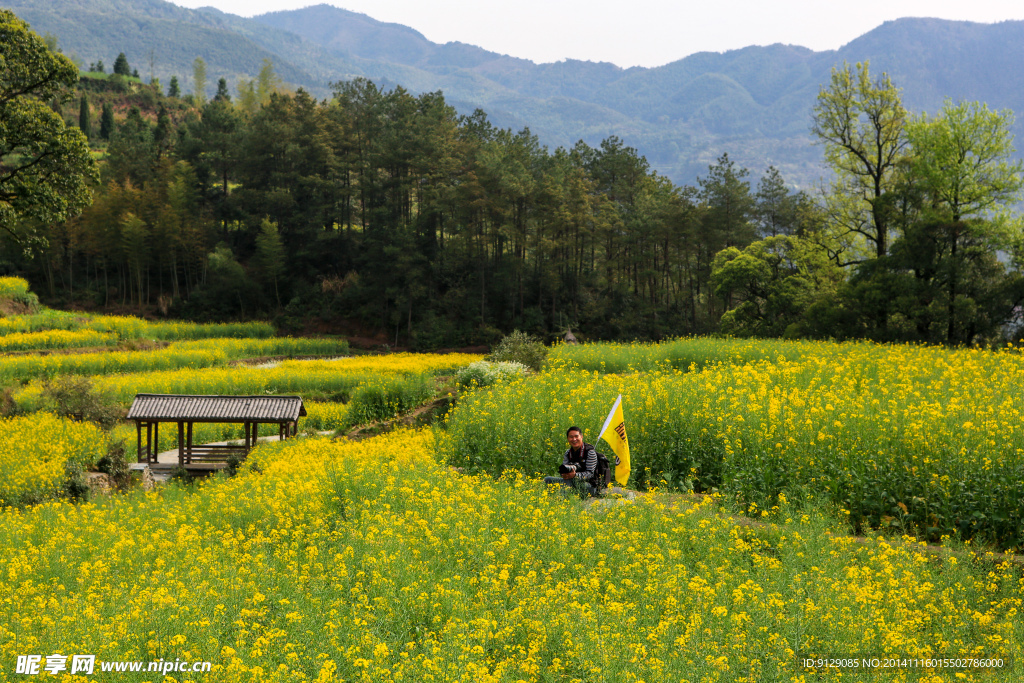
(614, 433)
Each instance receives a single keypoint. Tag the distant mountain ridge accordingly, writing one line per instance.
(754, 103)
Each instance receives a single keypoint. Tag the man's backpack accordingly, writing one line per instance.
(603, 474)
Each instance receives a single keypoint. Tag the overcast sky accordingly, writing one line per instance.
(639, 32)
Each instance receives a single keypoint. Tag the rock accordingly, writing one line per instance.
(99, 483)
(619, 493)
(141, 475)
(611, 497)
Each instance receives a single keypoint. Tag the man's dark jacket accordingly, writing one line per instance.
(585, 460)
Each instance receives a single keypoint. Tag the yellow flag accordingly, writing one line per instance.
(614, 433)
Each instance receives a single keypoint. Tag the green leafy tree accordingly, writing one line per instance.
(228, 288)
(45, 166)
(174, 90)
(121, 67)
(107, 121)
(911, 285)
(267, 83)
(860, 121)
(247, 100)
(963, 158)
(772, 283)
(199, 81)
(97, 67)
(84, 120)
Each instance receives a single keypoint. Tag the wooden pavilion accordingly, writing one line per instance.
(150, 410)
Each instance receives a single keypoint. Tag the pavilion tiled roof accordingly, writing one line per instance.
(172, 407)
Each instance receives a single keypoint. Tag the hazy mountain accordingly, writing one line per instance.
(754, 103)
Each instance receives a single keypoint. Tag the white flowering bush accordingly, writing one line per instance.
(484, 373)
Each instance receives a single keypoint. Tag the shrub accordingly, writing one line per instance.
(520, 347)
(485, 373)
(73, 397)
(115, 465)
(234, 463)
(74, 484)
(16, 289)
(181, 476)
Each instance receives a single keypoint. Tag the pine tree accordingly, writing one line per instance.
(132, 152)
(84, 122)
(121, 65)
(222, 91)
(98, 67)
(162, 134)
(107, 121)
(174, 90)
(135, 73)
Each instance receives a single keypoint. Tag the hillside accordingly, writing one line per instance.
(753, 103)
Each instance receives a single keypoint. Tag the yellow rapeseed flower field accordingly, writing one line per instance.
(33, 450)
(54, 339)
(13, 286)
(370, 561)
(903, 437)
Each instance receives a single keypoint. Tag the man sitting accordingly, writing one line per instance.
(579, 465)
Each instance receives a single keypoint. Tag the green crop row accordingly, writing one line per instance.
(189, 354)
(127, 327)
(682, 354)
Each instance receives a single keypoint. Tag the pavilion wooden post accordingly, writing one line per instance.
(181, 443)
(155, 448)
(188, 442)
(138, 430)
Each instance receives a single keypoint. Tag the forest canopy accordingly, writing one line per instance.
(388, 212)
